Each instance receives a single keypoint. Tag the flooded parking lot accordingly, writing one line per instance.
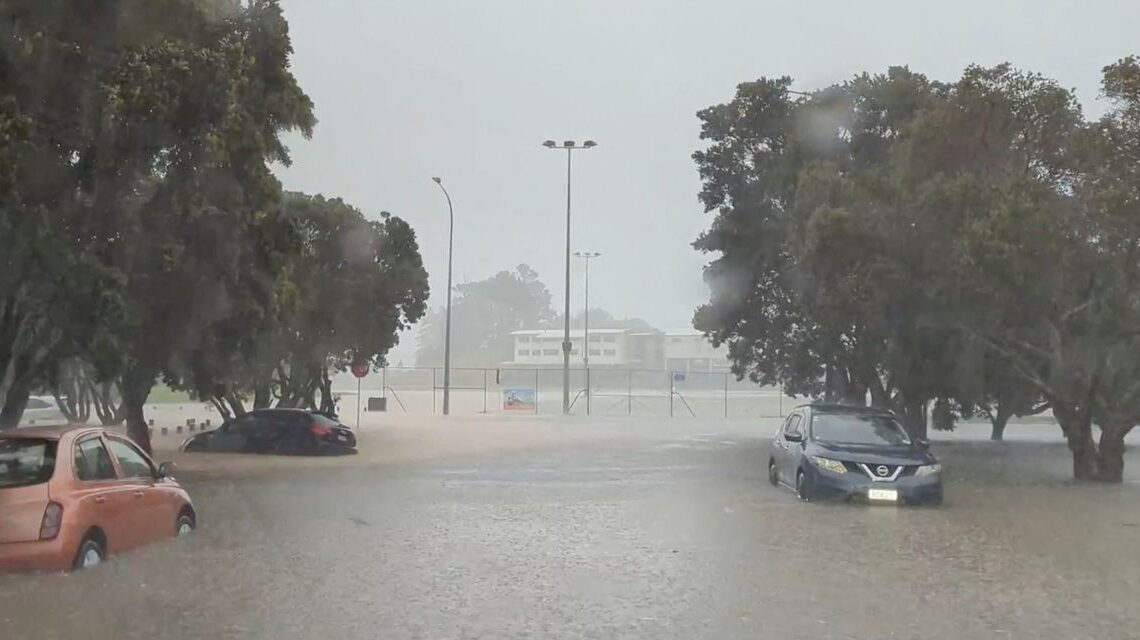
(621, 530)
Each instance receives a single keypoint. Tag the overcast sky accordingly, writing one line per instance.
(468, 90)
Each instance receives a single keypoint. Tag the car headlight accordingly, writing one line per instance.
(828, 464)
(929, 470)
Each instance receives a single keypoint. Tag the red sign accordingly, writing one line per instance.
(360, 370)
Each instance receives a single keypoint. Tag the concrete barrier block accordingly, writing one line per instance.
(178, 429)
(165, 431)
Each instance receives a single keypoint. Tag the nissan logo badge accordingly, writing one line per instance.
(882, 470)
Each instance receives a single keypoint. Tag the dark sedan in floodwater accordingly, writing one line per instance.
(279, 431)
(852, 453)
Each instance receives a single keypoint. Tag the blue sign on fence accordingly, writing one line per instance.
(678, 376)
(518, 399)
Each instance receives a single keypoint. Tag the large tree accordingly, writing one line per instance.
(149, 220)
(971, 245)
(343, 297)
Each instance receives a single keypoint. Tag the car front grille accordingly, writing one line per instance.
(880, 472)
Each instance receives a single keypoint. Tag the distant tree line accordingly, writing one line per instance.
(945, 249)
(485, 313)
(143, 236)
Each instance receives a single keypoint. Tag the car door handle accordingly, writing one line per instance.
(138, 494)
(100, 499)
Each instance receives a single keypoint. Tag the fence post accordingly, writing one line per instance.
(384, 382)
(588, 390)
(781, 390)
(536, 391)
(484, 391)
(726, 395)
(670, 393)
(433, 390)
(629, 397)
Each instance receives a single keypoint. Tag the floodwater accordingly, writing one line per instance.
(660, 531)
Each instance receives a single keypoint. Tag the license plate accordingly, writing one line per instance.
(883, 495)
(341, 437)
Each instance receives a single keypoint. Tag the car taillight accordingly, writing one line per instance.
(320, 430)
(53, 518)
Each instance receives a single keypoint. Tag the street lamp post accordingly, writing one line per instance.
(586, 255)
(447, 327)
(570, 146)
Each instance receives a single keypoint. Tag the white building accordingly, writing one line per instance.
(684, 350)
(540, 348)
(689, 350)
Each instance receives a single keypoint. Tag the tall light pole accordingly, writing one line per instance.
(570, 146)
(447, 329)
(586, 255)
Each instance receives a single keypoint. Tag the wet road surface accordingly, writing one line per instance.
(666, 536)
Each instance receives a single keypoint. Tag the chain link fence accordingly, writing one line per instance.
(601, 392)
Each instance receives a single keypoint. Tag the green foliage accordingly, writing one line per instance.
(148, 236)
(969, 244)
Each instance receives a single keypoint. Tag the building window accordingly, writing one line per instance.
(595, 338)
(674, 339)
(550, 352)
(524, 338)
(608, 339)
(611, 352)
(595, 352)
(524, 352)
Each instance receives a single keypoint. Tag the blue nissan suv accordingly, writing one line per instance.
(826, 451)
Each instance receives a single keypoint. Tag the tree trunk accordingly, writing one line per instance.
(222, 406)
(1110, 456)
(998, 423)
(14, 402)
(1077, 427)
(235, 403)
(108, 403)
(914, 419)
(136, 389)
(262, 395)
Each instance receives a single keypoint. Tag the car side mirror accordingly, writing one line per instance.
(794, 437)
(166, 469)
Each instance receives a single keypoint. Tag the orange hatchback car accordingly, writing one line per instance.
(72, 495)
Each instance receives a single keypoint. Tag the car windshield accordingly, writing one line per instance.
(26, 461)
(857, 429)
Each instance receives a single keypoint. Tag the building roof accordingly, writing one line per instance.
(684, 332)
(554, 333)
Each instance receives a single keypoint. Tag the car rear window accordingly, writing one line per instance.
(26, 461)
(324, 421)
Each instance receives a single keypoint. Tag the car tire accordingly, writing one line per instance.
(773, 474)
(803, 487)
(91, 554)
(184, 525)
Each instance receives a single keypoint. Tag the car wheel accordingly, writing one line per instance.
(803, 488)
(91, 554)
(773, 475)
(184, 526)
